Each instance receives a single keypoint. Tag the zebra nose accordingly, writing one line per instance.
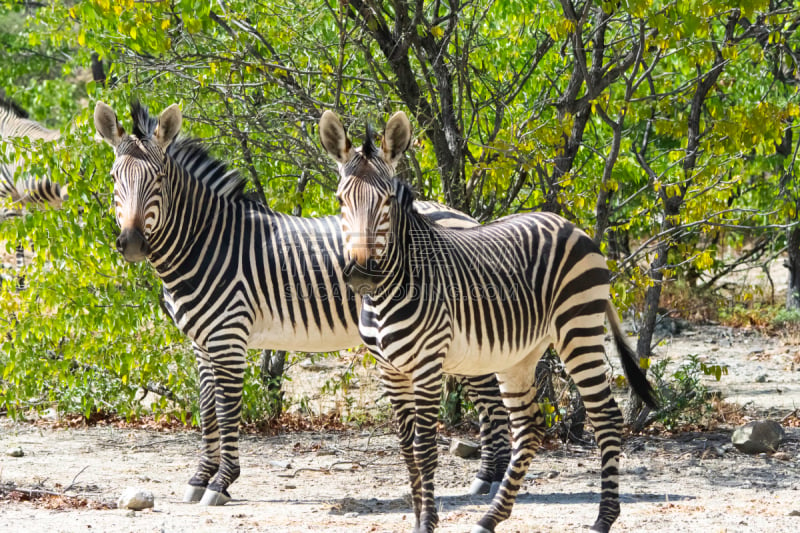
(361, 255)
(132, 245)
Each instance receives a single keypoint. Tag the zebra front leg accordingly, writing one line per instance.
(401, 395)
(228, 363)
(527, 426)
(20, 257)
(484, 392)
(210, 457)
(427, 396)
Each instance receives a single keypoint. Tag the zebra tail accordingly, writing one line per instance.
(636, 376)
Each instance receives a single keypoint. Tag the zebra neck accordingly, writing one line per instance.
(193, 212)
(402, 278)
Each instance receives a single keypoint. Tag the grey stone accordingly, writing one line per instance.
(760, 436)
(136, 499)
(465, 448)
(281, 464)
(16, 451)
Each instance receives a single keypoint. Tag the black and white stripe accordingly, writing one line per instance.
(17, 187)
(469, 301)
(237, 275)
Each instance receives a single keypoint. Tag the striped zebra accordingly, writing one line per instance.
(469, 301)
(17, 186)
(237, 275)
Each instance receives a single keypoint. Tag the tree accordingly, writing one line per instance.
(670, 124)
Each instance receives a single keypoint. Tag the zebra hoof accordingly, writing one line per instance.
(193, 494)
(480, 486)
(214, 498)
(495, 488)
(480, 529)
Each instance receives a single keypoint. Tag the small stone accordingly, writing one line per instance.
(465, 449)
(281, 464)
(761, 379)
(760, 436)
(794, 513)
(136, 499)
(16, 451)
(289, 486)
(552, 474)
(350, 515)
(781, 456)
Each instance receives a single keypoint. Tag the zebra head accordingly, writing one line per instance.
(138, 172)
(367, 191)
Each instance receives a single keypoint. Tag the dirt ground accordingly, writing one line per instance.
(354, 481)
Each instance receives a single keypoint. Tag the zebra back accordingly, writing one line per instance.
(14, 124)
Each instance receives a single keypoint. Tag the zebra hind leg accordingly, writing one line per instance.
(484, 392)
(527, 423)
(584, 361)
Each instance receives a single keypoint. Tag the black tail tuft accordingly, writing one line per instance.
(635, 374)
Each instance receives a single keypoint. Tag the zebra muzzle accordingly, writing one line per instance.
(362, 279)
(132, 245)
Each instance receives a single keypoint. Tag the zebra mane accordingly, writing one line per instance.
(11, 106)
(192, 155)
(369, 150)
(143, 124)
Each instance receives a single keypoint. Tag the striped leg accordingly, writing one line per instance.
(583, 356)
(401, 395)
(527, 429)
(221, 376)
(209, 460)
(20, 253)
(416, 405)
(228, 364)
(495, 439)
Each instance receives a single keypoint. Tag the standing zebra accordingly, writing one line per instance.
(469, 301)
(237, 275)
(15, 184)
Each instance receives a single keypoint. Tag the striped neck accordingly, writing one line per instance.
(397, 261)
(191, 208)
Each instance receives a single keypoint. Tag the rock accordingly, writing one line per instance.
(16, 451)
(465, 449)
(760, 436)
(136, 499)
(782, 456)
(281, 464)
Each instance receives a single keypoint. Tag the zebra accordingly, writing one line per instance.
(23, 190)
(238, 275)
(469, 301)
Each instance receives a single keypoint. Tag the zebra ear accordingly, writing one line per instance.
(334, 138)
(396, 138)
(169, 124)
(107, 125)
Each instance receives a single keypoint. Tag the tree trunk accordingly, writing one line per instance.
(271, 367)
(793, 264)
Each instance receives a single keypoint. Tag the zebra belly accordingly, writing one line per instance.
(277, 335)
(466, 357)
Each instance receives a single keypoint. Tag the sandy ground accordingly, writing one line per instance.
(355, 481)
